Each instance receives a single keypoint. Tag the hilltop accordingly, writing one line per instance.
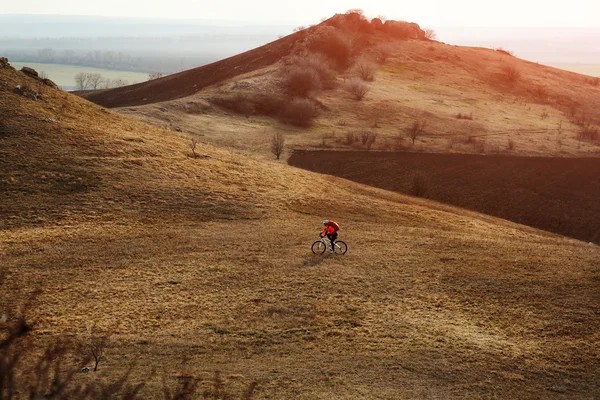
(198, 264)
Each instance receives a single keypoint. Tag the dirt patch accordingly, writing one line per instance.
(555, 194)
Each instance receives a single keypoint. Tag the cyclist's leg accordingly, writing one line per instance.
(332, 237)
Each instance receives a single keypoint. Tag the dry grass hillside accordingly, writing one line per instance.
(467, 100)
(195, 265)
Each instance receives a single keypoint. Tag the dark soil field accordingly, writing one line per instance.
(555, 194)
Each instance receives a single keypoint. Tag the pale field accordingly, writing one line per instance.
(432, 81)
(64, 75)
(196, 265)
(591, 70)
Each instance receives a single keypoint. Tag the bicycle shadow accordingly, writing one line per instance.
(313, 261)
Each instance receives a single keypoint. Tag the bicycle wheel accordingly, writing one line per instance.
(318, 247)
(340, 247)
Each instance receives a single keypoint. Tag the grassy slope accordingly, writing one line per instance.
(429, 79)
(196, 265)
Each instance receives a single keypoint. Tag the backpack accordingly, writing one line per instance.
(335, 225)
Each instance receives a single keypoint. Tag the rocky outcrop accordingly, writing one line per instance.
(30, 72)
(26, 92)
(4, 63)
(34, 74)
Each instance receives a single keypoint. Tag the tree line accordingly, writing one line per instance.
(93, 81)
(116, 60)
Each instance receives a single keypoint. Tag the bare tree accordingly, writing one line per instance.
(277, 144)
(94, 346)
(43, 75)
(81, 80)
(416, 129)
(193, 144)
(154, 75)
(95, 80)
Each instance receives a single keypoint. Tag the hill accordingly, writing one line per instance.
(469, 100)
(201, 264)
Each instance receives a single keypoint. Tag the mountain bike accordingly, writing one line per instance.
(320, 246)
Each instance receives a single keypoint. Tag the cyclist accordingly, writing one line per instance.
(331, 231)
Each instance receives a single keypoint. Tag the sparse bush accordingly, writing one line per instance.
(367, 138)
(357, 88)
(350, 138)
(416, 130)
(300, 112)
(250, 103)
(511, 145)
(333, 44)
(382, 53)
(302, 82)
(510, 73)
(506, 52)
(544, 115)
(595, 81)
(430, 34)
(464, 116)
(238, 102)
(540, 93)
(193, 144)
(478, 145)
(366, 70)
(589, 133)
(418, 186)
(320, 64)
(277, 144)
(154, 75)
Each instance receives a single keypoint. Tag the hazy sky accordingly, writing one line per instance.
(573, 13)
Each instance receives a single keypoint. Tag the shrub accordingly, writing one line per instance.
(333, 44)
(430, 34)
(510, 73)
(544, 115)
(382, 53)
(302, 82)
(540, 93)
(238, 102)
(511, 145)
(250, 104)
(589, 133)
(350, 138)
(320, 64)
(506, 52)
(418, 186)
(357, 88)
(465, 116)
(300, 112)
(366, 70)
(367, 138)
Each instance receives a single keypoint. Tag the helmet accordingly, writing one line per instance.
(325, 222)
